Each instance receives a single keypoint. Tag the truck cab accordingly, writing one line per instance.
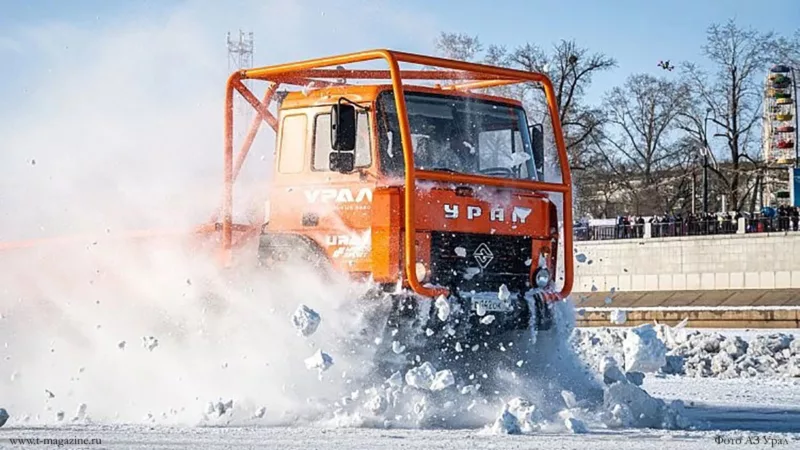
(339, 179)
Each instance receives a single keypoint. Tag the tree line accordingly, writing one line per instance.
(639, 150)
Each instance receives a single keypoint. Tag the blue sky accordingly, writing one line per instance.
(636, 33)
(105, 94)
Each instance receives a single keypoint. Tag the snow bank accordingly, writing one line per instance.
(694, 353)
(643, 350)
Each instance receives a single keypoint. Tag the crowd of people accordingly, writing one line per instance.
(782, 218)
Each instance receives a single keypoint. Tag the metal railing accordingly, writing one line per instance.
(701, 227)
(771, 224)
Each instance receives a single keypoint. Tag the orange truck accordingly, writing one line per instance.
(412, 179)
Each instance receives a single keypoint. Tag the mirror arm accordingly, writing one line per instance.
(355, 105)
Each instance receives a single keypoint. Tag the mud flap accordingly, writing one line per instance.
(543, 312)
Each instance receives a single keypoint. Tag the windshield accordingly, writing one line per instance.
(457, 134)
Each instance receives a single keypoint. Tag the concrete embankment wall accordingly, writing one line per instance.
(735, 261)
(736, 280)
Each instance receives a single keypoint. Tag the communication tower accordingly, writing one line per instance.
(240, 56)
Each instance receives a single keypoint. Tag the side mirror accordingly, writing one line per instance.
(537, 142)
(343, 127)
(342, 162)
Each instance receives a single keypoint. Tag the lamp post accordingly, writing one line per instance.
(706, 151)
(796, 120)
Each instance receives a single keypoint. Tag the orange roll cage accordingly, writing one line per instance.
(470, 76)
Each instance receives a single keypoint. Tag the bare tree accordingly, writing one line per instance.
(732, 93)
(459, 46)
(568, 65)
(642, 131)
(571, 68)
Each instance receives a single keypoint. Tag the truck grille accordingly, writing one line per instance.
(479, 261)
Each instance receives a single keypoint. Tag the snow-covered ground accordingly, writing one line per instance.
(734, 409)
(193, 358)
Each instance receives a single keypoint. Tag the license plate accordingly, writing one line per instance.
(492, 305)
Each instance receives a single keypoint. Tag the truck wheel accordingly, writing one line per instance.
(286, 250)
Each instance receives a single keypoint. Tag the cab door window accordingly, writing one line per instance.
(322, 141)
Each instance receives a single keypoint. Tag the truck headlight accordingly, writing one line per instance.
(541, 277)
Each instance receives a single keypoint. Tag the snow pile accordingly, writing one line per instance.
(644, 351)
(628, 405)
(625, 404)
(678, 351)
(713, 355)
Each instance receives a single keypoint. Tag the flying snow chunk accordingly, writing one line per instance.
(525, 412)
(503, 293)
(149, 342)
(397, 347)
(396, 380)
(442, 380)
(319, 360)
(486, 320)
(644, 351)
(618, 317)
(461, 252)
(507, 423)
(422, 376)
(259, 414)
(305, 320)
(219, 408)
(377, 404)
(442, 308)
(3, 416)
(575, 425)
(470, 272)
(569, 399)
